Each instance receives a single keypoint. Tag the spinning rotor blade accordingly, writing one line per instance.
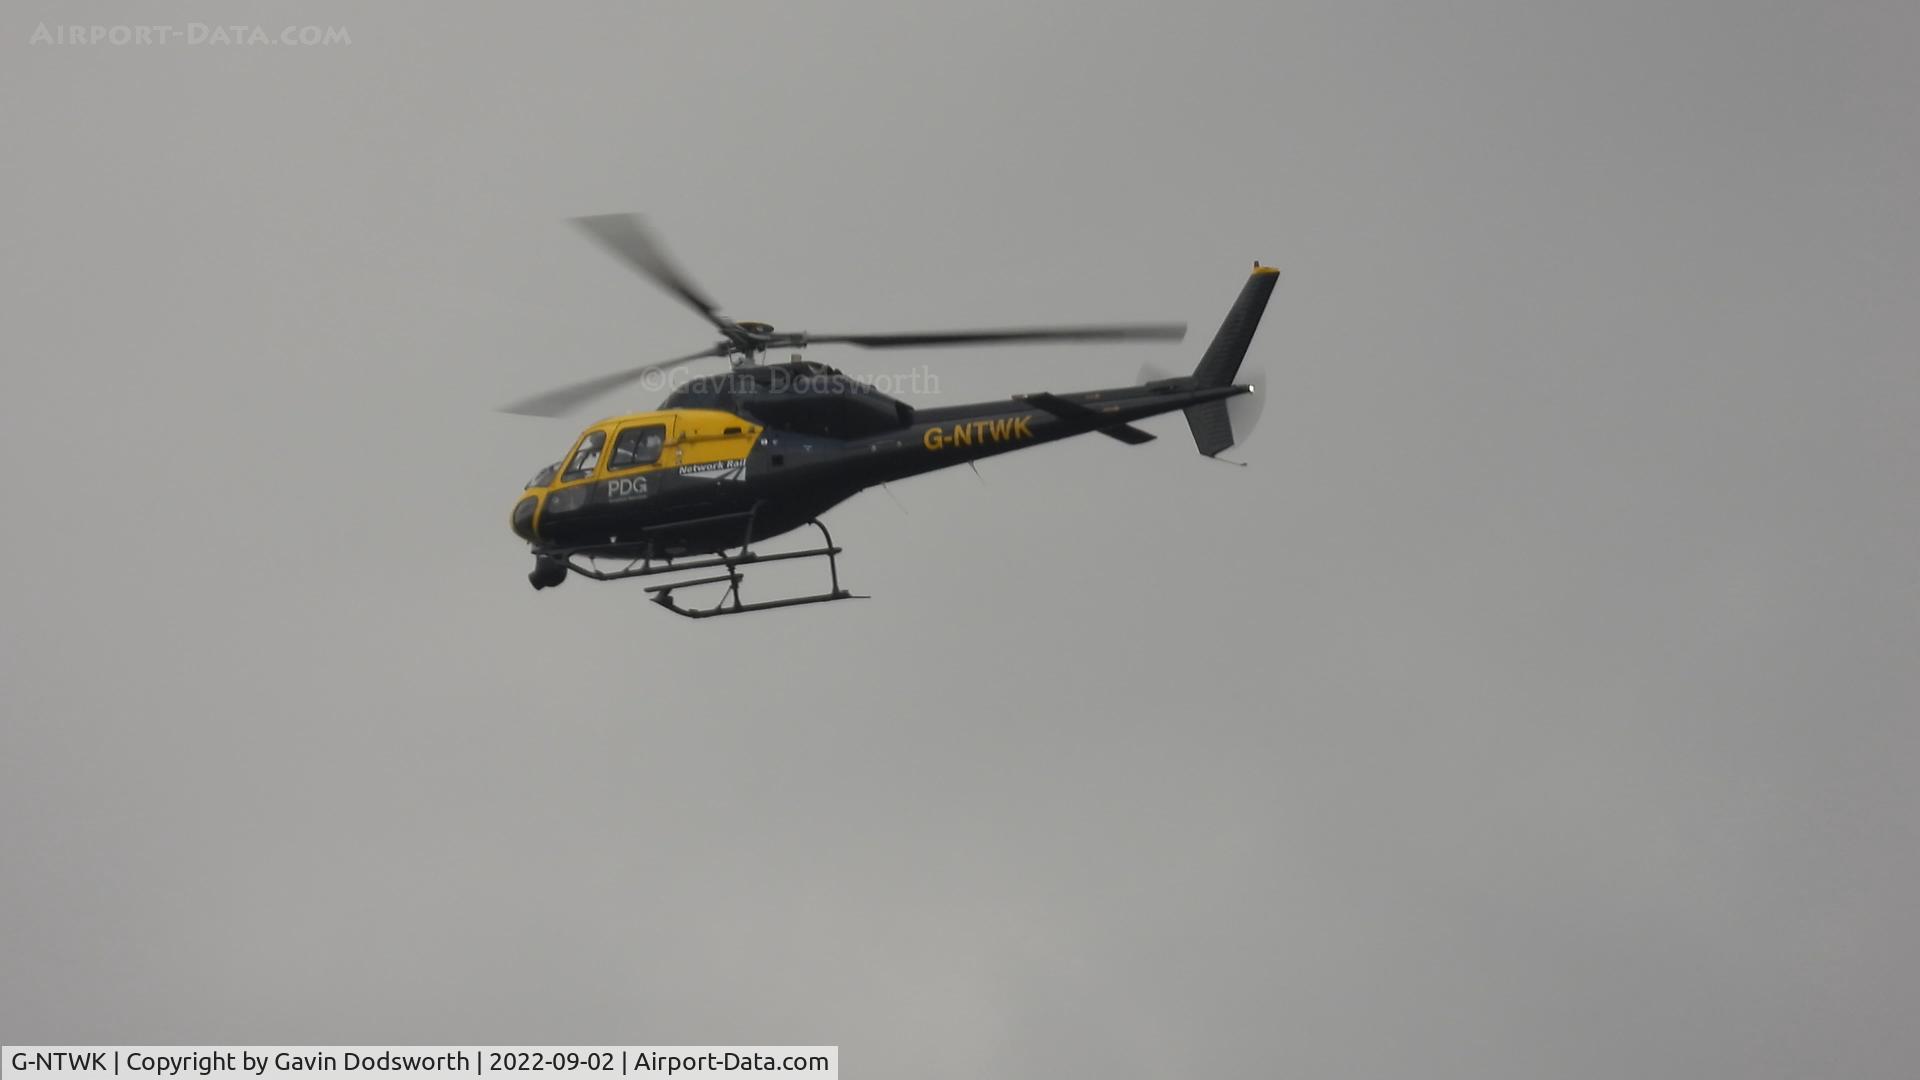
(627, 236)
(1152, 372)
(1009, 336)
(1244, 410)
(567, 398)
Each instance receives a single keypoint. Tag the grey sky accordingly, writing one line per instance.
(1539, 702)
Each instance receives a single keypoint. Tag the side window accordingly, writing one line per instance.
(585, 458)
(638, 446)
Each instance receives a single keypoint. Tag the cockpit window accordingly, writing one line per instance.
(638, 446)
(585, 458)
(544, 476)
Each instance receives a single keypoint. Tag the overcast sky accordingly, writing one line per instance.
(1540, 701)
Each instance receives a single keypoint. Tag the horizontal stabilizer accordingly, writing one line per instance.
(1073, 410)
(1127, 433)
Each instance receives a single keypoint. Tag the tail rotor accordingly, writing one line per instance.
(1244, 410)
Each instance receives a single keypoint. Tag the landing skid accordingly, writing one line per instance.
(731, 563)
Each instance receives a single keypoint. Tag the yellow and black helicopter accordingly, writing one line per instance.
(733, 459)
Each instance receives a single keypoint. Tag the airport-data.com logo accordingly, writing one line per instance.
(191, 34)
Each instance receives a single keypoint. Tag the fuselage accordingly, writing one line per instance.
(694, 480)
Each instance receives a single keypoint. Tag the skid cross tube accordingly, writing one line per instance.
(730, 602)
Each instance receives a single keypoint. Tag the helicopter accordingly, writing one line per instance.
(730, 460)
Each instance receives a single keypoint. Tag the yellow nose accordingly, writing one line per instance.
(523, 517)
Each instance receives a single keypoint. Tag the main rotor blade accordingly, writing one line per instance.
(567, 398)
(1008, 336)
(627, 236)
